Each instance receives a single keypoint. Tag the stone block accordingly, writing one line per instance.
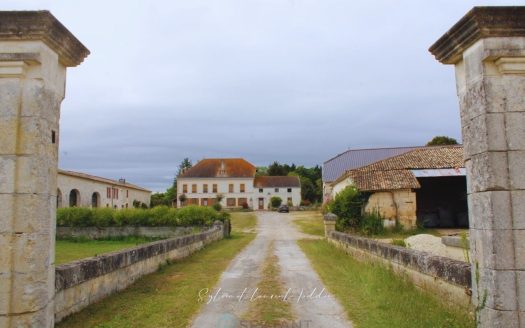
(483, 133)
(5, 255)
(521, 289)
(9, 97)
(490, 318)
(519, 249)
(487, 171)
(7, 174)
(33, 213)
(6, 208)
(499, 288)
(517, 169)
(32, 252)
(30, 292)
(5, 288)
(518, 209)
(493, 249)
(515, 129)
(35, 175)
(8, 135)
(490, 210)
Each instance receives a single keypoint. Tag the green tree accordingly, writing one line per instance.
(442, 140)
(347, 205)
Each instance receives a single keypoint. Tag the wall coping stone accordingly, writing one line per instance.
(479, 23)
(74, 273)
(43, 26)
(452, 271)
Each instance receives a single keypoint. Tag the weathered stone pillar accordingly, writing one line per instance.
(487, 47)
(329, 223)
(35, 50)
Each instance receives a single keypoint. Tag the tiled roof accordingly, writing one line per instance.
(221, 168)
(100, 179)
(276, 182)
(335, 167)
(394, 173)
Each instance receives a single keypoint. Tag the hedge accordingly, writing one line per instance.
(156, 216)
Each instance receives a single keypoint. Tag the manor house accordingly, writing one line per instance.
(233, 182)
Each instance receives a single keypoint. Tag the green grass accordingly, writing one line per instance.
(71, 250)
(309, 222)
(243, 221)
(270, 310)
(167, 298)
(374, 296)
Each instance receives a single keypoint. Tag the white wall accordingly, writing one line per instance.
(87, 187)
(223, 189)
(283, 193)
(338, 187)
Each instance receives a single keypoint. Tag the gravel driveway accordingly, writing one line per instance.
(312, 305)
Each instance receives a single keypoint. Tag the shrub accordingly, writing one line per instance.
(306, 202)
(217, 206)
(399, 242)
(276, 201)
(157, 216)
(347, 205)
(372, 224)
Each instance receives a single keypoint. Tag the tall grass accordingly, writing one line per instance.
(157, 216)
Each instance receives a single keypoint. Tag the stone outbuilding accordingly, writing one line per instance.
(426, 186)
(77, 189)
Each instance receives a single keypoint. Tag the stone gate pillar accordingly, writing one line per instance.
(35, 50)
(487, 47)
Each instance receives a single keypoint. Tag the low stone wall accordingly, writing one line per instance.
(81, 283)
(109, 232)
(449, 279)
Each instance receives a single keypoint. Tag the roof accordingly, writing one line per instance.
(100, 179)
(276, 182)
(335, 167)
(221, 168)
(394, 173)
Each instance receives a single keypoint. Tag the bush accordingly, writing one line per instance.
(399, 242)
(348, 206)
(372, 224)
(217, 206)
(157, 216)
(276, 201)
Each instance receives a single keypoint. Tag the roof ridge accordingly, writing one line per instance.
(379, 148)
(88, 175)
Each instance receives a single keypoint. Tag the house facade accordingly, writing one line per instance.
(233, 182)
(77, 189)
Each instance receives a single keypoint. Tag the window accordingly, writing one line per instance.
(185, 188)
(108, 192)
(205, 188)
(214, 187)
(194, 188)
(276, 189)
(230, 187)
(204, 201)
(242, 187)
(95, 200)
(114, 193)
(289, 189)
(127, 193)
(261, 190)
(290, 200)
(243, 202)
(230, 202)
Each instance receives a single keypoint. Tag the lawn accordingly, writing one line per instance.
(167, 298)
(71, 250)
(309, 222)
(243, 221)
(374, 296)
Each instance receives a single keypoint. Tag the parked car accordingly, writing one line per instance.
(283, 209)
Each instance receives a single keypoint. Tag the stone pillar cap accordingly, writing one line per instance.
(42, 25)
(330, 217)
(478, 23)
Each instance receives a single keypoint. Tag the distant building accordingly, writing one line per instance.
(233, 180)
(351, 159)
(425, 185)
(77, 189)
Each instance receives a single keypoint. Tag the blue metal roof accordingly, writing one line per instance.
(355, 158)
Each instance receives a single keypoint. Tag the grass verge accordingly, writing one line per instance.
(270, 308)
(74, 249)
(167, 298)
(309, 222)
(374, 296)
(243, 221)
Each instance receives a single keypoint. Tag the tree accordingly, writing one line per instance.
(442, 140)
(347, 205)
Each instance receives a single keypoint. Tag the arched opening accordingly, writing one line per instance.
(95, 200)
(74, 198)
(59, 198)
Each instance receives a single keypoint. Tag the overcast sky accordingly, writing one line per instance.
(288, 80)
